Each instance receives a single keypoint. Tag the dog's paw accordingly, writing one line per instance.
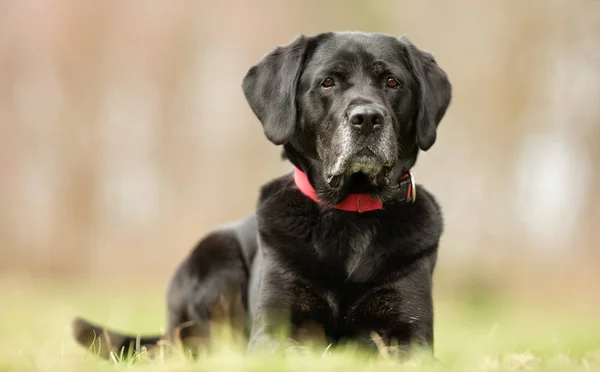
(295, 349)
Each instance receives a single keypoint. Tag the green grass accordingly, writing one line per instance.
(473, 333)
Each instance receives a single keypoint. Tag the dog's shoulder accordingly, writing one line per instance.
(285, 212)
(281, 197)
(275, 188)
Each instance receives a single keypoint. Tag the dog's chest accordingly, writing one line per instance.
(349, 251)
(359, 250)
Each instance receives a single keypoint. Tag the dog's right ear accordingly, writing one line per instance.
(270, 89)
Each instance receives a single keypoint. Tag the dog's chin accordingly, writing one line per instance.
(362, 174)
(365, 183)
(364, 166)
(375, 184)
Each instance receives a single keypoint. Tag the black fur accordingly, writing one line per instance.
(298, 263)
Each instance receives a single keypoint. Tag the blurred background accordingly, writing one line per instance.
(124, 134)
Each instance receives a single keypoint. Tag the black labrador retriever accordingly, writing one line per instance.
(342, 244)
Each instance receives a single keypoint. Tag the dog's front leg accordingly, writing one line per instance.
(397, 318)
(265, 336)
(265, 339)
(271, 326)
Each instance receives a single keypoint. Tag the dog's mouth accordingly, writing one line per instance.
(364, 183)
(359, 179)
(369, 170)
(364, 167)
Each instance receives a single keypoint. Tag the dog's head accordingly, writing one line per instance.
(351, 109)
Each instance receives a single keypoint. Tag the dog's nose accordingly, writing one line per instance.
(367, 119)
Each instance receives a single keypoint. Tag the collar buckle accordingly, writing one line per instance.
(413, 189)
(408, 188)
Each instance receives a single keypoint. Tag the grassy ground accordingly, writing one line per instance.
(473, 333)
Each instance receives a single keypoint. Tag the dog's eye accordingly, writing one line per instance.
(392, 83)
(327, 83)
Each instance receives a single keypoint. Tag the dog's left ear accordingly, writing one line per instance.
(435, 93)
(270, 89)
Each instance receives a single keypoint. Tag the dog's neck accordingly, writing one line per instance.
(354, 202)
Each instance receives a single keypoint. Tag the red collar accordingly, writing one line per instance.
(355, 202)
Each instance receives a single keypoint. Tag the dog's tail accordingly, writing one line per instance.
(103, 342)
